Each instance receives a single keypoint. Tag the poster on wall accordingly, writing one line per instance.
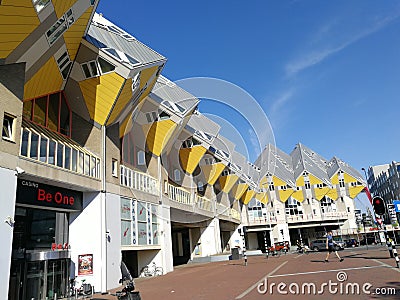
(85, 264)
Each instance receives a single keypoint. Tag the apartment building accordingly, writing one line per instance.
(305, 195)
(383, 181)
(103, 160)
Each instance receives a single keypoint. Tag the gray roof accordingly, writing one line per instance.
(104, 34)
(223, 144)
(275, 162)
(239, 163)
(199, 124)
(164, 89)
(305, 159)
(337, 164)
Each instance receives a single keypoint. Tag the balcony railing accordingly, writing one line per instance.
(203, 203)
(261, 220)
(47, 147)
(138, 181)
(178, 194)
(311, 217)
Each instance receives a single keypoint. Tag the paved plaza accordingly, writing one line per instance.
(364, 274)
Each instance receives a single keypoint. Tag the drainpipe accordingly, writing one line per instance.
(103, 213)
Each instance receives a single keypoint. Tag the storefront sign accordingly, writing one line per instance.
(38, 194)
(85, 264)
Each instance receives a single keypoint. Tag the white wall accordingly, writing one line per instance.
(236, 240)
(85, 236)
(166, 238)
(210, 238)
(113, 224)
(8, 186)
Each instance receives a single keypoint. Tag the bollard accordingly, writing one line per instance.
(390, 248)
(244, 251)
(396, 257)
(266, 244)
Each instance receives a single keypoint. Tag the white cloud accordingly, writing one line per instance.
(317, 56)
(280, 101)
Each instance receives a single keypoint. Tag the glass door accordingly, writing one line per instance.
(35, 280)
(57, 278)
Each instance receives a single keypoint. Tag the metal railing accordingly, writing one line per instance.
(178, 194)
(203, 203)
(138, 181)
(312, 217)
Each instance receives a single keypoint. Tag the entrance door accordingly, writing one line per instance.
(57, 278)
(46, 279)
(34, 287)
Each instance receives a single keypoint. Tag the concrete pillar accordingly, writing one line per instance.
(211, 238)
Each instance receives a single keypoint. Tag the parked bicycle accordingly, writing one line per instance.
(79, 288)
(152, 271)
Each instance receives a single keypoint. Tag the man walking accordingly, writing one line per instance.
(330, 247)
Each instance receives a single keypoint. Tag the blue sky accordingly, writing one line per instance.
(326, 73)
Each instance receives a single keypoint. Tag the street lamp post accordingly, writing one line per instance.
(364, 220)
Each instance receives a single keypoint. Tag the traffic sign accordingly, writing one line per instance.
(392, 213)
(396, 205)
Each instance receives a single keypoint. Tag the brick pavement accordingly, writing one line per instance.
(232, 280)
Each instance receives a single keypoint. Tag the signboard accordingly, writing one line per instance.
(396, 204)
(392, 213)
(43, 195)
(85, 264)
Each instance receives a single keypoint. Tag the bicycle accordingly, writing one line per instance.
(153, 271)
(79, 288)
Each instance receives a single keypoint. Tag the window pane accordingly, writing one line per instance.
(87, 164)
(105, 66)
(64, 117)
(74, 160)
(66, 70)
(52, 121)
(24, 143)
(142, 232)
(98, 168)
(85, 69)
(141, 158)
(40, 111)
(43, 149)
(80, 163)
(93, 167)
(34, 145)
(155, 234)
(60, 155)
(125, 233)
(141, 208)
(7, 127)
(28, 109)
(52, 152)
(93, 68)
(67, 160)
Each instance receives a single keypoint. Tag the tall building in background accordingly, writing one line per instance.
(103, 160)
(384, 181)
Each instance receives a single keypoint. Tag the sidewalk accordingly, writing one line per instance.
(232, 280)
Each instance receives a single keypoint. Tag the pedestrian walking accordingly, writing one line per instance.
(330, 246)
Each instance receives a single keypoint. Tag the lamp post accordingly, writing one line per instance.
(365, 173)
